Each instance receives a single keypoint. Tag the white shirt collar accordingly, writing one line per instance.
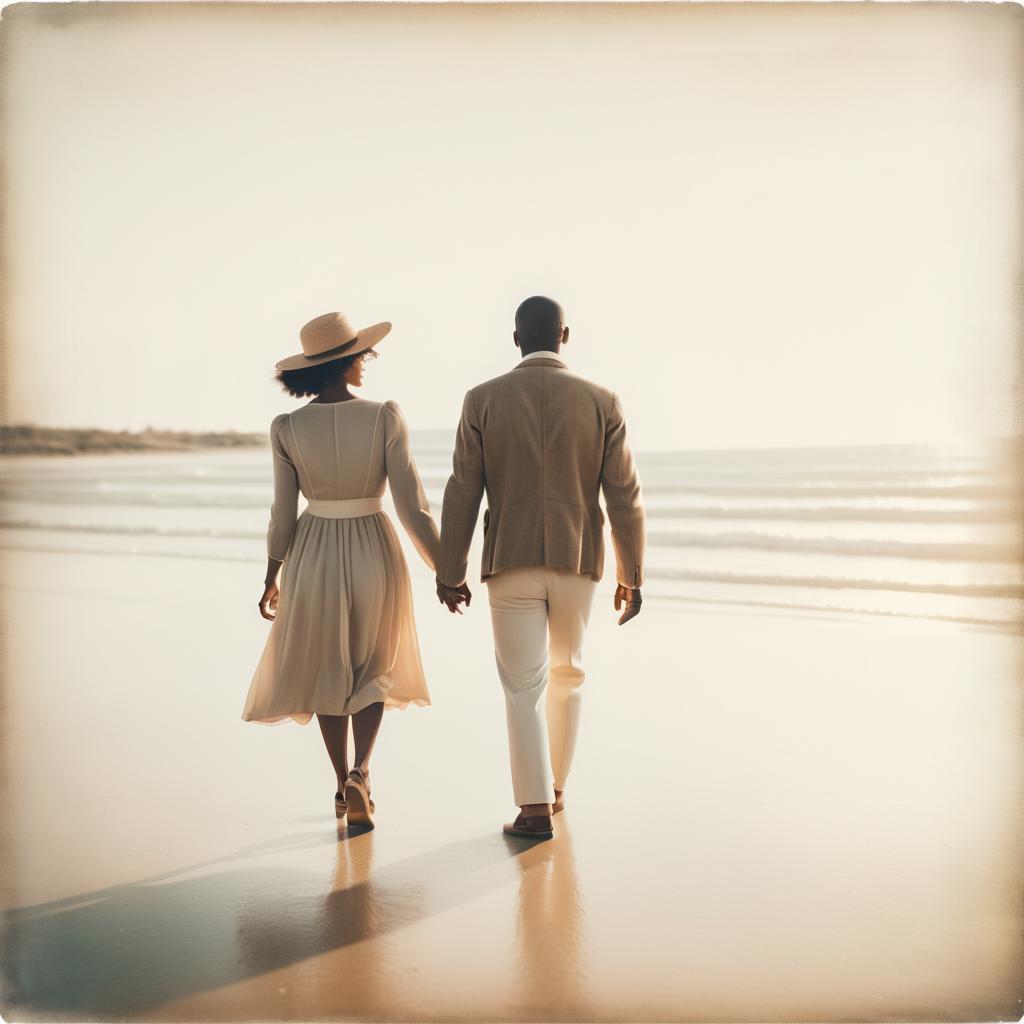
(541, 355)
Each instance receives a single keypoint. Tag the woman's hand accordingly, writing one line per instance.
(454, 596)
(268, 602)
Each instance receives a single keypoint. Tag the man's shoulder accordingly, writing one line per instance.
(599, 390)
(525, 376)
(491, 384)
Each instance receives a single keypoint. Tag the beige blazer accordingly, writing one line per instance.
(541, 442)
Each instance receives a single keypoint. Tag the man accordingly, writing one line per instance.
(541, 441)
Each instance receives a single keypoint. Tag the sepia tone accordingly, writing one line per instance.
(788, 237)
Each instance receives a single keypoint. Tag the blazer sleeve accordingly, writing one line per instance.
(406, 487)
(620, 483)
(284, 509)
(462, 495)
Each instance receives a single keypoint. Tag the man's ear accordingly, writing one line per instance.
(565, 335)
(515, 338)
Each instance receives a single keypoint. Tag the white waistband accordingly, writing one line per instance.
(343, 508)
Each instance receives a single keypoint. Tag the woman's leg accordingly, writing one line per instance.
(335, 732)
(365, 725)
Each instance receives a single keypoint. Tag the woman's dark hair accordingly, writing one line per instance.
(312, 380)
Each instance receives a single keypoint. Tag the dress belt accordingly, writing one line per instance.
(343, 508)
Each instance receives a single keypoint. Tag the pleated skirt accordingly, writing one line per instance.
(345, 633)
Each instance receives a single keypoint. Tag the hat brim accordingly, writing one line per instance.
(366, 338)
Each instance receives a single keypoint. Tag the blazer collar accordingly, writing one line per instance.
(551, 360)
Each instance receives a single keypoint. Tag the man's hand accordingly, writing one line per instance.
(268, 601)
(454, 596)
(630, 597)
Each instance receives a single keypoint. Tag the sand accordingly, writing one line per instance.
(771, 817)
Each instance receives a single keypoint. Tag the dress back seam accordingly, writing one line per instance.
(373, 445)
(298, 455)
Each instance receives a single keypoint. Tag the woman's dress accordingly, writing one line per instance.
(344, 636)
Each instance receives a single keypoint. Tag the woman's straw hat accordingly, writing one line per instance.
(330, 337)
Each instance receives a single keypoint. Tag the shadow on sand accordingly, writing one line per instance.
(121, 950)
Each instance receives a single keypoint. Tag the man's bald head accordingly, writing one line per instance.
(540, 324)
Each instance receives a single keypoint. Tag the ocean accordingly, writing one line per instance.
(893, 532)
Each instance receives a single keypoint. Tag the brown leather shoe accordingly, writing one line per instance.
(536, 826)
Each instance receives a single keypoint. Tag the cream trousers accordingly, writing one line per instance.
(539, 616)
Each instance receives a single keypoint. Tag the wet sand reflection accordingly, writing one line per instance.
(122, 950)
(550, 931)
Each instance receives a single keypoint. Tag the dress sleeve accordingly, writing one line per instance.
(283, 511)
(406, 487)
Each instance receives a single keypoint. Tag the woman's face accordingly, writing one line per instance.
(354, 374)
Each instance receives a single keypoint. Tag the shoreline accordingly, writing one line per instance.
(26, 439)
(31, 439)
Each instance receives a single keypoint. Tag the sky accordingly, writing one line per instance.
(769, 225)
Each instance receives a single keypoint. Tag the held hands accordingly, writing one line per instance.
(631, 598)
(454, 596)
(269, 600)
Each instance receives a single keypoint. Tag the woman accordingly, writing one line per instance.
(343, 641)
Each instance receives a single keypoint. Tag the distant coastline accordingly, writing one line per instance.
(28, 439)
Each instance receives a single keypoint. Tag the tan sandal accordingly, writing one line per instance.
(357, 795)
(559, 804)
(340, 806)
